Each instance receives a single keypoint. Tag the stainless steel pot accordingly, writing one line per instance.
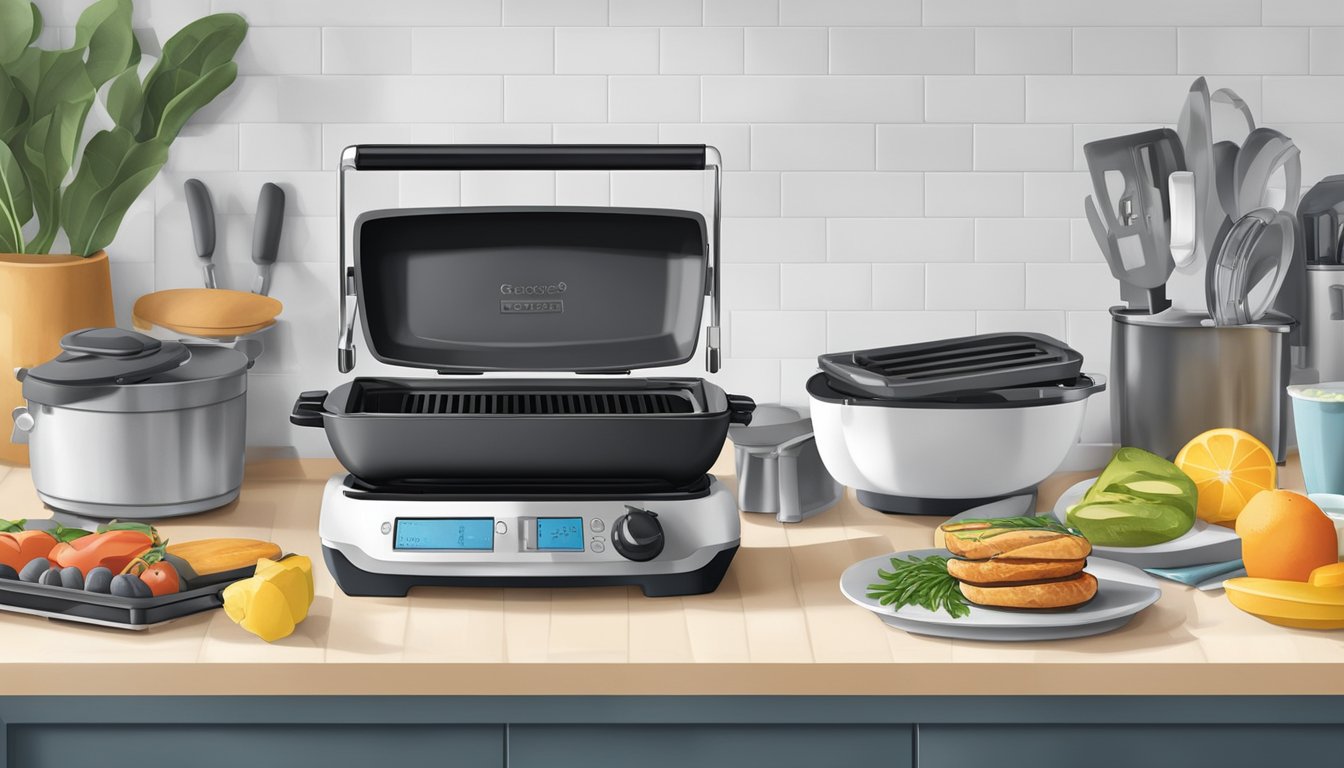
(1174, 378)
(105, 442)
(1325, 320)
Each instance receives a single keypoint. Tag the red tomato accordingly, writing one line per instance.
(162, 579)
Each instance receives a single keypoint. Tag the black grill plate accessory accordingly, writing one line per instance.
(991, 361)
(412, 432)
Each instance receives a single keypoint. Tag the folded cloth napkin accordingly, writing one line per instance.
(1205, 577)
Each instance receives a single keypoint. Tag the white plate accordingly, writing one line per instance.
(1202, 544)
(1122, 591)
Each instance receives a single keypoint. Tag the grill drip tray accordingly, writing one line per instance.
(383, 540)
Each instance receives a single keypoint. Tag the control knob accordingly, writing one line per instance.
(637, 535)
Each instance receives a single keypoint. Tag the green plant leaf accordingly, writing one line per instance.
(105, 29)
(48, 153)
(13, 108)
(17, 18)
(114, 170)
(16, 203)
(191, 55)
(126, 100)
(37, 25)
(198, 94)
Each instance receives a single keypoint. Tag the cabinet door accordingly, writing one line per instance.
(679, 746)
(1128, 746)
(228, 746)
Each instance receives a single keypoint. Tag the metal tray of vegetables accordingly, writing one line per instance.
(120, 575)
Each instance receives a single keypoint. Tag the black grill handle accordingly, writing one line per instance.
(529, 157)
(740, 409)
(308, 408)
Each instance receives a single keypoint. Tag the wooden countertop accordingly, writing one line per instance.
(777, 625)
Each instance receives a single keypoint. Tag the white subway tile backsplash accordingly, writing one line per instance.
(973, 194)
(654, 99)
(925, 148)
(974, 286)
(1055, 194)
(750, 286)
(793, 376)
(1023, 147)
(388, 98)
(1017, 321)
(841, 147)
(801, 99)
(1121, 99)
(571, 99)
(251, 99)
(901, 240)
(853, 194)
(500, 133)
(1242, 51)
(508, 188)
(1303, 13)
(759, 377)
(785, 50)
(130, 281)
(483, 51)
(773, 240)
(754, 193)
(865, 330)
(759, 333)
(279, 146)
(1124, 50)
(1071, 13)
(900, 51)
(1023, 51)
(430, 189)
(604, 133)
(280, 51)
(1326, 47)
(373, 51)
(555, 13)
(732, 141)
(1070, 286)
(606, 50)
(1089, 332)
(651, 13)
(898, 286)
(583, 188)
(825, 286)
(660, 189)
(741, 13)
(978, 99)
(1024, 240)
(357, 13)
(1303, 100)
(700, 51)
(205, 147)
(834, 13)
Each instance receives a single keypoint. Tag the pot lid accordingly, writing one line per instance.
(1245, 277)
(822, 388)
(990, 361)
(466, 290)
(772, 426)
(100, 356)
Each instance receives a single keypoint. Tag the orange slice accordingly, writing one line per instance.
(1229, 467)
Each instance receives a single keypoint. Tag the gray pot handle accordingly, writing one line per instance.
(23, 424)
(790, 503)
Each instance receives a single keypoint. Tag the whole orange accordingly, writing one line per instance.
(1284, 535)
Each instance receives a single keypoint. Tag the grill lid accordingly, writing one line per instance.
(465, 290)
(991, 361)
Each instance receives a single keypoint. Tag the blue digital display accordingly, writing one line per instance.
(559, 534)
(453, 533)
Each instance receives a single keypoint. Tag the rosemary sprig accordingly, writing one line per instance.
(921, 581)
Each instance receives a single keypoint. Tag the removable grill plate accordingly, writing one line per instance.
(951, 366)
(596, 403)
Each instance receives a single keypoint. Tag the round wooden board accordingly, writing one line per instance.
(206, 312)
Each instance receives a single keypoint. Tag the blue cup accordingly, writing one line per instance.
(1319, 421)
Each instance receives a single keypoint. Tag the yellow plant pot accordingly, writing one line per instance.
(42, 298)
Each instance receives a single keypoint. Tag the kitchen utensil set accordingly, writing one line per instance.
(1198, 228)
